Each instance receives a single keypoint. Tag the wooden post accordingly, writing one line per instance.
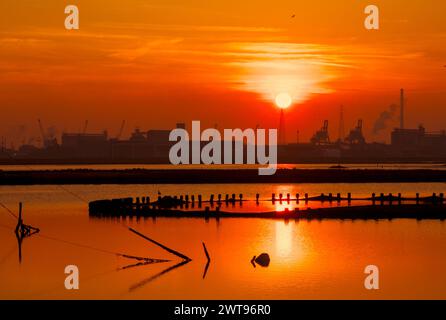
(418, 198)
(339, 197)
(206, 252)
(349, 197)
(297, 197)
(212, 199)
(192, 197)
(306, 197)
(178, 254)
(273, 197)
(257, 198)
(288, 197)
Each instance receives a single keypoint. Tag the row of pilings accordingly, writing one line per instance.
(128, 205)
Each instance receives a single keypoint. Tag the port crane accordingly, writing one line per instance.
(119, 134)
(47, 141)
(355, 136)
(42, 133)
(120, 130)
(85, 127)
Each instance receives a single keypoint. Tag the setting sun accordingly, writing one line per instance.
(302, 142)
(283, 100)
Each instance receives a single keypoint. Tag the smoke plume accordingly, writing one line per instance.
(384, 118)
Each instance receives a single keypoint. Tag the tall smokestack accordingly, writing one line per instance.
(282, 139)
(402, 109)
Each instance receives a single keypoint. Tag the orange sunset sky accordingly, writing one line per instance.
(155, 63)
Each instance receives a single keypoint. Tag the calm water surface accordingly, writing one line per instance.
(321, 260)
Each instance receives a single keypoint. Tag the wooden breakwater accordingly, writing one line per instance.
(380, 207)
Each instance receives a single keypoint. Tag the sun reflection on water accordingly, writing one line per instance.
(284, 238)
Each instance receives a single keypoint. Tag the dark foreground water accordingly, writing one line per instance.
(308, 259)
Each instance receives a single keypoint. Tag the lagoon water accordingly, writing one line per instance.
(309, 259)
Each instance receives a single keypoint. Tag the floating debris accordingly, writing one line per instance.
(262, 260)
(338, 167)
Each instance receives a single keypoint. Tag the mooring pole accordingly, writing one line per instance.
(18, 228)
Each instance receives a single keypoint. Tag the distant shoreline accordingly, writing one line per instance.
(329, 161)
(215, 176)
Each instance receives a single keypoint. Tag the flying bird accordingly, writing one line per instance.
(293, 16)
